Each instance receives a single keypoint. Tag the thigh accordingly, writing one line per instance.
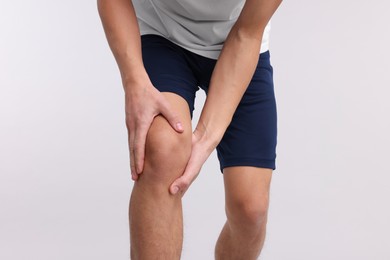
(250, 139)
(247, 188)
(168, 68)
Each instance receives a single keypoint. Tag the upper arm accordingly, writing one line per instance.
(255, 15)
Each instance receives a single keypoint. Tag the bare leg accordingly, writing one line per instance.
(247, 199)
(155, 216)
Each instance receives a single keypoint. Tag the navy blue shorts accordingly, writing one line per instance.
(250, 139)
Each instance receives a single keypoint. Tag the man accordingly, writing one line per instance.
(165, 50)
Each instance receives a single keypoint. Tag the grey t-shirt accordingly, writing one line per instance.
(200, 26)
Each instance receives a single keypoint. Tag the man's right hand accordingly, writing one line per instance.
(142, 103)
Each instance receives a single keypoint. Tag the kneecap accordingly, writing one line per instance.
(167, 150)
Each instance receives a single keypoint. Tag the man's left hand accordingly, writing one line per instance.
(201, 150)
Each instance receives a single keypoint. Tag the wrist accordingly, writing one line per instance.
(132, 72)
(134, 78)
(209, 136)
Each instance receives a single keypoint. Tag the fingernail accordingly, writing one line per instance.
(179, 126)
(175, 189)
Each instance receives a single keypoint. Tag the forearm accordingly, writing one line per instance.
(121, 28)
(229, 81)
(234, 68)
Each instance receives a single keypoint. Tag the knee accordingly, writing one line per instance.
(248, 213)
(166, 151)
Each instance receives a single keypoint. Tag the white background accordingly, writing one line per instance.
(64, 167)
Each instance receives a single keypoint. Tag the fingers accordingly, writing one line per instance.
(182, 183)
(172, 117)
(131, 137)
(139, 145)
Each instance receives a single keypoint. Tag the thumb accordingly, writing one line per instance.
(180, 184)
(172, 117)
(190, 173)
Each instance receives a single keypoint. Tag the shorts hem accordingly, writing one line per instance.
(187, 97)
(261, 163)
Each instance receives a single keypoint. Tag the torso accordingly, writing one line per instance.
(200, 26)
